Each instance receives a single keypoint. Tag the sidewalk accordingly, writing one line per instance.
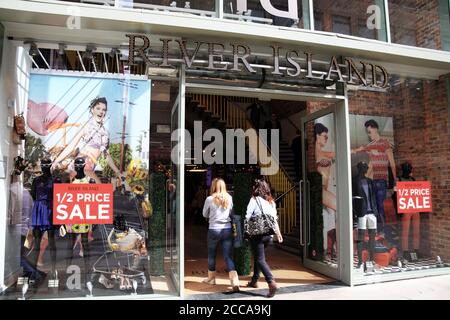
(429, 288)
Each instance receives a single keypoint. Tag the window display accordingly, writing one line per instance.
(390, 146)
(79, 132)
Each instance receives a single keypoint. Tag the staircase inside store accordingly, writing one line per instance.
(223, 112)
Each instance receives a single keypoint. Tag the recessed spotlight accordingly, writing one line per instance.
(113, 52)
(61, 48)
(33, 51)
(89, 53)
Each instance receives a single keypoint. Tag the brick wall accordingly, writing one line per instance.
(428, 24)
(437, 159)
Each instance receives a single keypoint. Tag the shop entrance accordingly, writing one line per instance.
(237, 109)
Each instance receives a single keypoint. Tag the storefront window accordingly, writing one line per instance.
(173, 5)
(358, 18)
(276, 12)
(97, 146)
(416, 23)
(397, 182)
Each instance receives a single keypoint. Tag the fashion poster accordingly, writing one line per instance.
(374, 176)
(359, 136)
(325, 163)
(100, 120)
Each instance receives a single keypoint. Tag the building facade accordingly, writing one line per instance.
(110, 93)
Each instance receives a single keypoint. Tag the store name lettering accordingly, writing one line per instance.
(350, 72)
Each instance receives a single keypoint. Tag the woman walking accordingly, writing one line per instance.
(262, 201)
(217, 209)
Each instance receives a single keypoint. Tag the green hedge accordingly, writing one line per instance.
(242, 192)
(315, 250)
(157, 223)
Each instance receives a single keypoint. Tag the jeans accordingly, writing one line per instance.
(258, 245)
(380, 188)
(224, 236)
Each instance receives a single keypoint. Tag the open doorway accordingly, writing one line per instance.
(222, 112)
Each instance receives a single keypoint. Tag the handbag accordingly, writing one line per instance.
(259, 225)
(19, 126)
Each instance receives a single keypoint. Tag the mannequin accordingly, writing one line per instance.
(407, 218)
(365, 207)
(82, 229)
(41, 216)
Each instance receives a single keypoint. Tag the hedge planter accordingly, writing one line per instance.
(157, 223)
(242, 192)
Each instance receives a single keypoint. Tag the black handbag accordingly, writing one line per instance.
(259, 225)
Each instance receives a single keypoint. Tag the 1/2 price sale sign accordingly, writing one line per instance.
(82, 203)
(414, 196)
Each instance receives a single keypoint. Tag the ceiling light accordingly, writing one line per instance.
(61, 48)
(89, 53)
(113, 52)
(33, 51)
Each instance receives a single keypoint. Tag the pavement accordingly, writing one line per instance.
(427, 288)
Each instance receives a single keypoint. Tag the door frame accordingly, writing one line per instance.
(343, 194)
(343, 166)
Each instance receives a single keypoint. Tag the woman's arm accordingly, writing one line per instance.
(206, 208)
(326, 154)
(69, 149)
(277, 227)
(250, 208)
(111, 164)
(358, 149)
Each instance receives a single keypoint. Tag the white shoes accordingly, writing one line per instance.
(211, 278)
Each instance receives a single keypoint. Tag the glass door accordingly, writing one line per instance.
(325, 192)
(172, 197)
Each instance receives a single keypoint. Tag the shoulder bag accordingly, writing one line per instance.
(259, 225)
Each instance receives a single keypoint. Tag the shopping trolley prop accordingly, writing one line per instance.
(124, 242)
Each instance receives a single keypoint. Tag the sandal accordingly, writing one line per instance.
(105, 282)
(122, 280)
(114, 274)
(128, 283)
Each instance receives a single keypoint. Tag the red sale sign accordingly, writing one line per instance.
(82, 203)
(414, 196)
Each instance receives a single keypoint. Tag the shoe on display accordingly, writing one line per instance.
(105, 282)
(370, 266)
(406, 255)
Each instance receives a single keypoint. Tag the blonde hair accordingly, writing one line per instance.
(212, 189)
(219, 193)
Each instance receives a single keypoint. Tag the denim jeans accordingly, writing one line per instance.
(380, 189)
(258, 245)
(225, 237)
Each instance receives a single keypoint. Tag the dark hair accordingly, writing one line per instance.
(406, 166)
(262, 189)
(319, 129)
(362, 165)
(371, 123)
(98, 100)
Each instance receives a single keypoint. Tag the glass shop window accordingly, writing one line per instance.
(398, 222)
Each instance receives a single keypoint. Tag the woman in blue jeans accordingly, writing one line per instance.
(262, 201)
(217, 209)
